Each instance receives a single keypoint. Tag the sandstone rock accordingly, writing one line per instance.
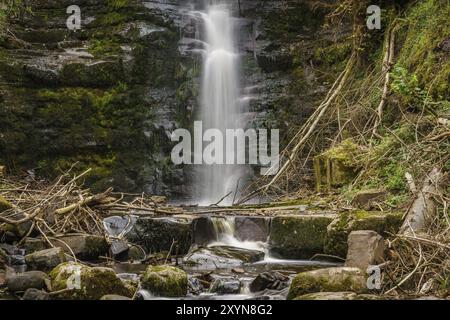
(299, 236)
(269, 280)
(226, 285)
(384, 223)
(45, 260)
(85, 247)
(87, 283)
(365, 248)
(221, 257)
(252, 228)
(165, 281)
(328, 280)
(22, 281)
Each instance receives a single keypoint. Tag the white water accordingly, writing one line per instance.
(220, 106)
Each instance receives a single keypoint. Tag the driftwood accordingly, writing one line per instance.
(423, 209)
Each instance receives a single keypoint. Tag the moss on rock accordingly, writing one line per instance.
(299, 236)
(86, 283)
(328, 280)
(165, 281)
(338, 231)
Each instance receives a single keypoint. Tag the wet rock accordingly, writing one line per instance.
(32, 245)
(35, 294)
(221, 257)
(365, 248)
(384, 223)
(299, 236)
(165, 281)
(204, 231)
(22, 281)
(328, 280)
(252, 228)
(45, 260)
(87, 283)
(85, 247)
(226, 285)
(269, 280)
(114, 297)
(366, 199)
(159, 234)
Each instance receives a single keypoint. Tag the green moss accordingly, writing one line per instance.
(4, 204)
(298, 236)
(165, 281)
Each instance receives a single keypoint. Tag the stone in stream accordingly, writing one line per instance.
(85, 247)
(87, 283)
(162, 234)
(45, 260)
(299, 236)
(365, 248)
(165, 281)
(221, 257)
(384, 223)
(18, 282)
(252, 228)
(204, 232)
(328, 280)
(226, 285)
(35, 294)
(272, 280)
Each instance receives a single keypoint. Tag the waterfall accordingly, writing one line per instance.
(219, 101)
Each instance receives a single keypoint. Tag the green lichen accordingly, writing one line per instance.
(165, 281)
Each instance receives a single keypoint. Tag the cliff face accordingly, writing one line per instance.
(108, 95)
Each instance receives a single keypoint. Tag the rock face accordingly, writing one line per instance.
(45, 260)
(365, 248)
(328, 280)
(252, 228)
(160, 234)
(299, 236)
(85, 247)
(26, 280)
(165, 281)
(338, 231)
(221, 257)
(86, 283)
(272, 280)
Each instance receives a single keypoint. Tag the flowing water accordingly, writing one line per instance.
(220, 106)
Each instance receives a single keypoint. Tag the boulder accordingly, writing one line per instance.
(272, 280)
(252, 228)
(299, 236)
(86, 283)
(85, 247)
(165, 281)
(221, 257)
(18, 282)
(158, 234)
(226, 285)
(365, 248)
(45, 260)
(384, 223)
(328, 280)
(35, 294)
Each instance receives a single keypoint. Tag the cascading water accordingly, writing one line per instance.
(220, 107)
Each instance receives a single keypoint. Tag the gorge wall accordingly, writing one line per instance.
(108, 96)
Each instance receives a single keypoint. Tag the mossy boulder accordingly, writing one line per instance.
(328, 280)
(384, 223)
(4, 204)
(86, 283)
(299, 236)
(165, 281)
